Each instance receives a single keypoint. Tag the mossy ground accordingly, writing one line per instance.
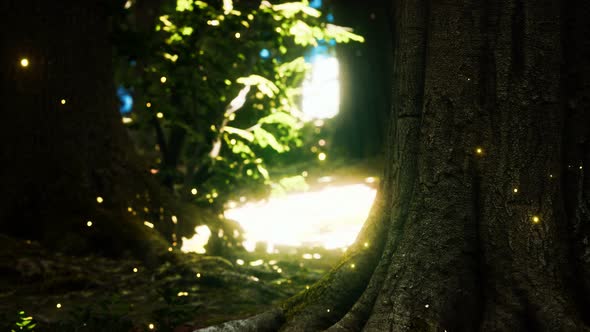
(102, 294)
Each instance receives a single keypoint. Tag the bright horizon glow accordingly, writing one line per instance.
(321, 92)
(331, 217)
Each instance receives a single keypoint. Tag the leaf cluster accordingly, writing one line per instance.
(216, 86)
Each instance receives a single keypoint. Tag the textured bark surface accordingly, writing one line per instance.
(483, 221)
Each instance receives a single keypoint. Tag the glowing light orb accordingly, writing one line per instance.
(63, 101)
(264, 53)
(163, 79)
(331, 217)
(24, 62)
(330, 18)
(198, 242)
(125, 100)
(536, 219)
(315, 4)
(321, 91)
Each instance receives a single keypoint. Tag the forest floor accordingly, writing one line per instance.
(66, 293)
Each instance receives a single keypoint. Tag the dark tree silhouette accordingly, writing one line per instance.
(63, 145)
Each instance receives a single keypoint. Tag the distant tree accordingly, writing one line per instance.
(482, 221)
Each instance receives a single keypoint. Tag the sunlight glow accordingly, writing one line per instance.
(331, 217)
(198, 242)
(321, 92)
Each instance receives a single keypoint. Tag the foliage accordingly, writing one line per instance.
(23, 323)
(217, 91)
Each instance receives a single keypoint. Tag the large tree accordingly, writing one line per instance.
(483, 219)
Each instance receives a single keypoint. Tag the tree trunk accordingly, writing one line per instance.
(482, 221)
(63, 144)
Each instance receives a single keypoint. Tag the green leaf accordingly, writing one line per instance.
(240, 132)
(303, 34)
(240, 147)
(281, 118)
(264, 85)
(182, 5)
(290, 9)
(201, 4)
(265, 138)
(187, 31)
(296, 66)
(342, 34)
(263, 171)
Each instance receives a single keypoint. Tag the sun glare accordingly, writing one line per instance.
(198, 242)
(321, 91)
(331, 217)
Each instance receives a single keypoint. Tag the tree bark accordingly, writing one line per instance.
(482, 222)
